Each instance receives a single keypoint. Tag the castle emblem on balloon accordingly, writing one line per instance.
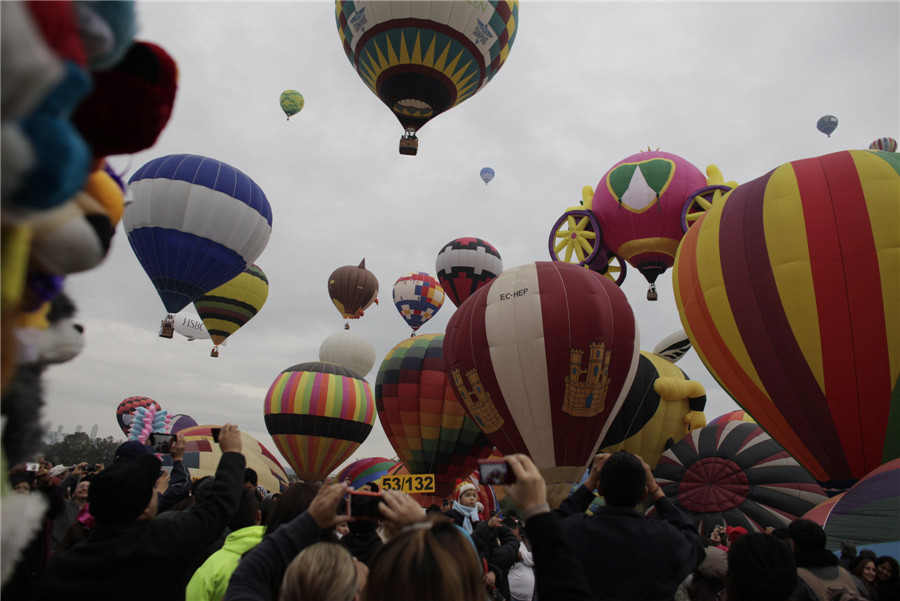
(482, 33)
(477, 400)
(359, 20)
(585, 394)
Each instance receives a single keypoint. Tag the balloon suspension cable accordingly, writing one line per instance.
(651, 293)
(167, 327)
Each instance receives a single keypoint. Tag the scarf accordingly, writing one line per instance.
(470, 515)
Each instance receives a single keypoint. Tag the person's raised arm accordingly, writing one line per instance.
(179, 477)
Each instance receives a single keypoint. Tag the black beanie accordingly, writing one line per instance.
(120, 493)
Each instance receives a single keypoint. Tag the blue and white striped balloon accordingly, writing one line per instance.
(194, 224)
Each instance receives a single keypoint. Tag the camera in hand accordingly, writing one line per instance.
(160, 442)
(495, 471)
(215, 433)
(364, 505)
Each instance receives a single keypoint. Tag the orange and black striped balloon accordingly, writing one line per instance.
(790, 292)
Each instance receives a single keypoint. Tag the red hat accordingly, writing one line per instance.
(131, 103)
(735, 532)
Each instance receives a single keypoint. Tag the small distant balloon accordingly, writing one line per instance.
(487, 174)
(291, 103)
(885, 144)
(827, 124)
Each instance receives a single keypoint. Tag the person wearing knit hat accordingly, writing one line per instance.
(463, 511)
(122, 540)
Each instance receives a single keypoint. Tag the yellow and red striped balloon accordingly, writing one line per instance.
(318, 414)
(790, 292)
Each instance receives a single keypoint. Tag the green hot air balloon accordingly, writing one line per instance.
(291, 102)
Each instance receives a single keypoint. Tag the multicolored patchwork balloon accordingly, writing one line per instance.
(466, 264)
(318, 414)
(421, 416)
(418, 297)
(789, 292)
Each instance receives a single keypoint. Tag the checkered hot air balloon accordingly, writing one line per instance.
(318, 414)
(127, 407)
(789, 292)
(734, 473)
(466, 264)
(194, 224)
(423, 58)
(421, 416)
(418, 297)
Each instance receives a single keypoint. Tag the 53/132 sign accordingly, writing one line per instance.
(418, 483)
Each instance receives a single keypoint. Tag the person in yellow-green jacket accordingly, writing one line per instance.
(211, 579)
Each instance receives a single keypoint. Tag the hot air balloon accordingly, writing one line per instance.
(661, 407)
(318, 414)
(202, 456)
(638, 205)
(127, 407)
(226, 308)
(363, 471)
(349, 350)
(867, 513)
(422, 418)
(189, 325)
(466, 264)
(734, 473)
(181, 422)
(352, 290)
(487, 174)
(417, 296)
(673, 347)
(885, 144)
(732, 416)
(194, 223)
(542, 358)
(827, 124)
(291, 102)
(424, 58)
(789, 293)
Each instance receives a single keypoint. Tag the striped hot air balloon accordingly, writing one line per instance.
(789, 291)
(128, 406)
(421, 416)
(226, 308)
(194, 223)
(734, 473)
(318, 414)
(733, 416)
(202, 456)
(885, 144)
(363, 471)
(542, 358)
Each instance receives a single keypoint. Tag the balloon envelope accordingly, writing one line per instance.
(418, 297)
(189, 325)
(127, 407)
(349, 350)
(732, 416)
(367, 470)
(639, 203)
(291, 102)
(180, 422)
(734, 473)
(827, 124)
(465, 265)
(789, 293)
(318, 414)
(202, 456)
(422, 418)
(885, 144)
(352, 289)
(226, 308)
(487, 174)
(194, 223)
(542, 358)
(424, 58)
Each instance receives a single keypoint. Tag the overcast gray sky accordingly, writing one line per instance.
(586, 84)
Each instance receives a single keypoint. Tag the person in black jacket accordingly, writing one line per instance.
(126, 540)
(499, 547)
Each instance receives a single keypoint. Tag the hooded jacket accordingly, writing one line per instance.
(211, 579)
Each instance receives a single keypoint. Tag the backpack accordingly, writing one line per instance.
(842, 588)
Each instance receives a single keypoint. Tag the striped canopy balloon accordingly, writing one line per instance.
(421, 416)
(734, 473)
(789, 292)
(226, 308)
(318, 414)
(867, 513)
(542, 358)
(733, 416)
(202, 456)
(363, 471)
(127, 407)
(885, 144)
(194, 223)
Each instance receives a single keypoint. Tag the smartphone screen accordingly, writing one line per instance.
(495, 472)
(31, 467)
(160, 442)
(364, 506)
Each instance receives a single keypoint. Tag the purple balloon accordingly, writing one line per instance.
(180, 422)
